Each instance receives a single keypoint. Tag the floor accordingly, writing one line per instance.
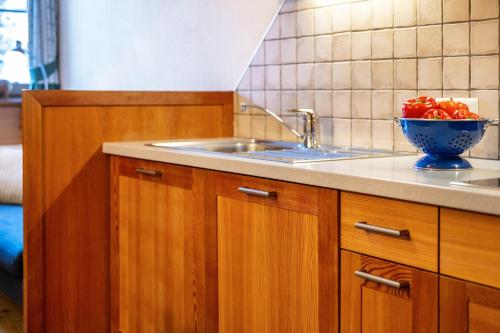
(11, 316)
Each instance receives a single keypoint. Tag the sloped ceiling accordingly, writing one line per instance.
(160, 44)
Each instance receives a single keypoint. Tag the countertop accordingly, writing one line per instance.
(392, 177)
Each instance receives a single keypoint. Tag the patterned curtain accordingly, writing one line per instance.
(43, 17)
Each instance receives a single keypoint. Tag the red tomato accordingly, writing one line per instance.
(464, 114)
(415, 108)
(461, 105)
(436, 114)
(448, 106)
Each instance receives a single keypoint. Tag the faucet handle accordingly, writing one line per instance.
(304, 111)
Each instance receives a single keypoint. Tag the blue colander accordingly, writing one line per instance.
(444, 140)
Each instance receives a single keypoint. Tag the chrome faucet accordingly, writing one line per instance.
(309, 135)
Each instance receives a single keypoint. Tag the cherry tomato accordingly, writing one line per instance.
(416, 107)
(436, 114)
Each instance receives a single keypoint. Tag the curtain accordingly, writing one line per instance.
(43, 17)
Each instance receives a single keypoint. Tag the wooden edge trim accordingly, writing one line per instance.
(33, 255)
(127, 98)
(114, 239)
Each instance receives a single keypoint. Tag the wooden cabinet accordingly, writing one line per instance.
(468, 308)
(152, 247)
(277, 256)
(381, 296)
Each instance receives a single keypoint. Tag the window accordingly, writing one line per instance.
(14, 41)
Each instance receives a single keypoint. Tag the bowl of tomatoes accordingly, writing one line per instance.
(443, 130)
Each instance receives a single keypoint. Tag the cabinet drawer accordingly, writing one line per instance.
(470, 246)
(369, 225)
(296, 197)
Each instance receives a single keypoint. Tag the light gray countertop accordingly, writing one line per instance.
(392, 177)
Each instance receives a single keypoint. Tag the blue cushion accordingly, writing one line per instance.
(11, 239)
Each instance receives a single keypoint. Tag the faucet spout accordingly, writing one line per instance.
(244, 107)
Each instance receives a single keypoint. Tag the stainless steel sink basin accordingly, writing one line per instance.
(278, 151)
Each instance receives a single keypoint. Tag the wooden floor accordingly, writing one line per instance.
(11, 316)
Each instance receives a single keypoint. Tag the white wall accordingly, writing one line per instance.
(160, 44)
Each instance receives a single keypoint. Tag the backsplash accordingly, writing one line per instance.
(355, 62)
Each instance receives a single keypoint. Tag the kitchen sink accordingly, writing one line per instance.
(278, 151)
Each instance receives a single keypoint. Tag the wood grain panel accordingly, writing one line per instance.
(419, 250)
(268, 268)
(470, 244)
(466, 307)
(10, 123)
(371, 307)
(155, 255)
(67, 190)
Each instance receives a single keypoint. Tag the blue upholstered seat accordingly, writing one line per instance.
(11, 239)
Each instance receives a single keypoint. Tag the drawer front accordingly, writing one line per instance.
(470, 246)
(291, 196)
(390, 229)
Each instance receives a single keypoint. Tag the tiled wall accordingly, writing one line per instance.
(354, 62)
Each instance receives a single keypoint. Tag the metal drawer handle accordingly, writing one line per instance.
(383, 231)
(381, 280)
(152, 173)
(257, 193)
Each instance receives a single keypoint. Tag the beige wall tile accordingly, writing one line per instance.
(305, 99)
(361, 104)
(361, 133)
(245, 81)
(341, 103)
(456, 39)
(405, 74)
(430, 92)
(400, 142)
(382, 74)
(341, 46)
(288, 52)
(488, 103)
(305, 49)
(405, 13)
(286, 135)
(243, 96)
(305, 26)
(304, 4)
(361, 75)
(289, 6)
(273, 129)
(323, 48)
(289, 77)
(382, 104)
(272, 77)
(243, 126)
(484, 37)
(258, 98)
(429, 41)
(455, 10)
(484, 72)
(456, 73)
(258, 78)
(430, 73)
(382, 134)
(342, 132)
(305, 76)
(323, 3)
(341, 18)
(361, 45)
(274, 30)
(361, 15)
(323, 76)
(288, 100)
(429, 11)
(399, 97)
(405, 42)
(288, 25)
(325, 131)
(273, 101)
(323, 103)
(455, 93)
(259, 57)
(323, 20)
(383, 42)
(341, 72)
(258, 126)
(272, 52)
(484, 9)
(488, 146)
(382, 14)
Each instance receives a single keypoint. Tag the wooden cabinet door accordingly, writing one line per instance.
(405, 300)
(276, 256)
(467, 307)
(152, 247)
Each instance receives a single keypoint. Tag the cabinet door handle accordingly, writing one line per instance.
(381, 230)
(258, 193)
(381, 280)
(146, 172)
